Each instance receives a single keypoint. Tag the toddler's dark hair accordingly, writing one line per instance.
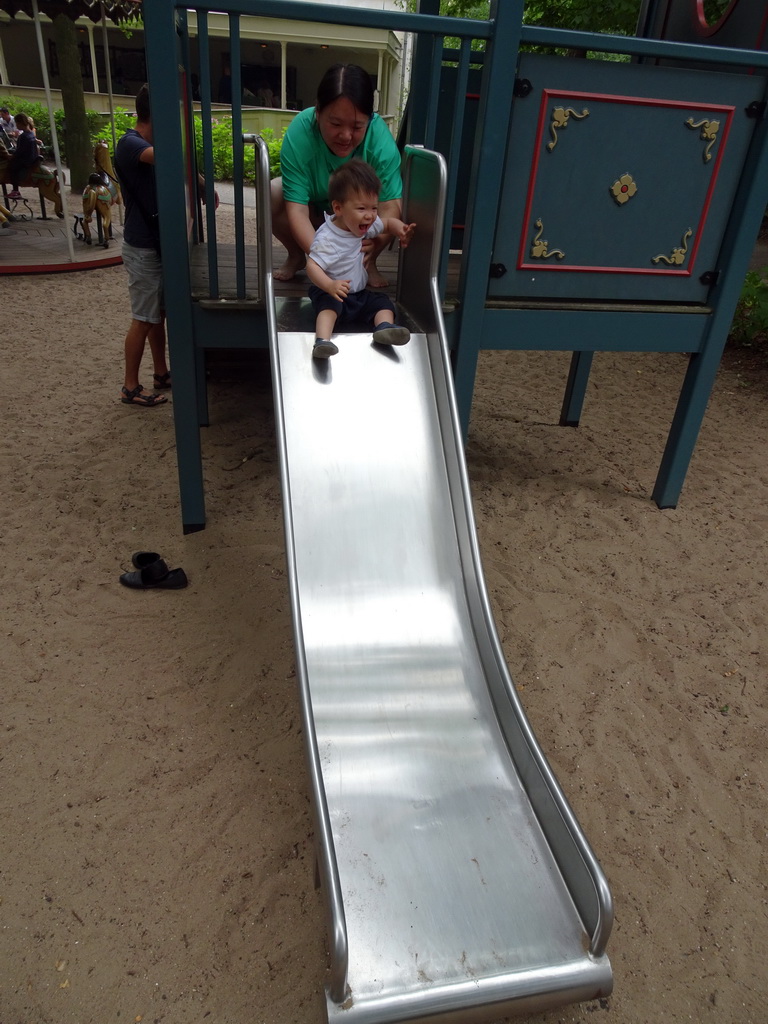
(355, 176)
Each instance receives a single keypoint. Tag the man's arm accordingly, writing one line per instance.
(201, 187)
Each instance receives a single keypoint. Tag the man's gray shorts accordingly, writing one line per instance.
(145, 283)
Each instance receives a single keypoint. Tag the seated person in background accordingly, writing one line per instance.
(264, 95)
(225, 85)
(8, 130)
(335, 263)
(32, 128)
(26, 156)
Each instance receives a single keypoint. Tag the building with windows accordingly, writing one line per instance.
(281, 61)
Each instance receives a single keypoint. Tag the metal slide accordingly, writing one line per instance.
(459, 885)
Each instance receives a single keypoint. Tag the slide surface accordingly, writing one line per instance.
(458, 883)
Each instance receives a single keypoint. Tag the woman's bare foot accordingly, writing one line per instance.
(290, 268)
(375, 278)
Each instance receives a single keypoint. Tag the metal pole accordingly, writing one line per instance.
(92, 51)
(52, 121)
(108, 72)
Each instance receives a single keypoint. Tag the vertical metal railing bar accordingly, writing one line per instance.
(182, 28)
(161, 41)
(435, 71)
(496, 98)
(204, 54)
(237, 152)
(263, 220)
(457, 133)
(418, 84)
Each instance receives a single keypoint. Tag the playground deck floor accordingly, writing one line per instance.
(34, 245)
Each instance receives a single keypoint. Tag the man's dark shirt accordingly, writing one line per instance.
(137, 179)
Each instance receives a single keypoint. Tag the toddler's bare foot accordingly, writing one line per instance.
(290, 268)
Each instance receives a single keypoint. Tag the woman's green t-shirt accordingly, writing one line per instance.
(307, 163)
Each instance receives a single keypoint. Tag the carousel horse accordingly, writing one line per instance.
(45, 181)
(100, 194)
(5, 216)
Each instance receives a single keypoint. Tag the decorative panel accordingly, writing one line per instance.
(619, 180)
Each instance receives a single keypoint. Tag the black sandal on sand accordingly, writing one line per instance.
(138, 396)
(162, 381)
(156, 576)
(141, 559)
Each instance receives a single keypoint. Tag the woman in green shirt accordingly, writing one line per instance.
(341, 125)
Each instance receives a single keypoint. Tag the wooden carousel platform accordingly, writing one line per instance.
(31, 244)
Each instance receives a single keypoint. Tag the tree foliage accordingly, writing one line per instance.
(619, 17)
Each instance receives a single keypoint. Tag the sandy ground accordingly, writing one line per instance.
(156, 859)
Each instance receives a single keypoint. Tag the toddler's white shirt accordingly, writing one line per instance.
(340, 254)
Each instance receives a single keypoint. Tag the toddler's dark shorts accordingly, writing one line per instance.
(358, 307)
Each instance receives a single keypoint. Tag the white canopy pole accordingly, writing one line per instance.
(4, 79)
(92, 51)
(108, 72)
(52, 120)
(283, 77)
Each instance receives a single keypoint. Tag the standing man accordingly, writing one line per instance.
(134, 164)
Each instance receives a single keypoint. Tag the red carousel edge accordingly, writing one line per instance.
(60, 268)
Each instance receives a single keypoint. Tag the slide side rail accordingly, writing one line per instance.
(326, 857)
(425, 177)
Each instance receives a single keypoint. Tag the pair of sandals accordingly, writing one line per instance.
(152, 573)
(137, 395)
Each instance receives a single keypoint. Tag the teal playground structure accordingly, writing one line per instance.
(598, 205)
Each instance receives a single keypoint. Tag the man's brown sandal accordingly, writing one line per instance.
(137, 396)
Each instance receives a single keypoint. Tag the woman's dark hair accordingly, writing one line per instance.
(351, 82)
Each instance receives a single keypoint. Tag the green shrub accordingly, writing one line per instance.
(223, 159)
(39, 114)
(274, 146)
(221, 134)
(124, 119)
(750, 321)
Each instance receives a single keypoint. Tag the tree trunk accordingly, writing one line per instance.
(77, 136)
